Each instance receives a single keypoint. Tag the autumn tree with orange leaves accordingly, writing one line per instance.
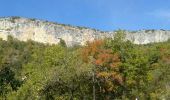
(106, 67)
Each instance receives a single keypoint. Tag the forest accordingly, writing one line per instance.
(106, 69)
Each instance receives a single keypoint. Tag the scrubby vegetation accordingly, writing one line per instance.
(102, 70)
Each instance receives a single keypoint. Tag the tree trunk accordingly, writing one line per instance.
(94, 90)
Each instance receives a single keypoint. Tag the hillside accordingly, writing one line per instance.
(49, 32)
(101, 70)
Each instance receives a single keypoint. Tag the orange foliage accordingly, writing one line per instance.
(165, 55)
(103, 59)
(91, 49)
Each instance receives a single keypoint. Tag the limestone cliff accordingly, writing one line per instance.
(49, 32)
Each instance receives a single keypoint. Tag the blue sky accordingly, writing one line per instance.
(100, 14)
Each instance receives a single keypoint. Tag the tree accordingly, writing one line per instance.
(106, 68)
(70, 81)
(62, 42)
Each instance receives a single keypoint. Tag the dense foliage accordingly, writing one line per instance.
(102, 70)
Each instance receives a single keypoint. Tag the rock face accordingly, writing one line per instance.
(47, 32)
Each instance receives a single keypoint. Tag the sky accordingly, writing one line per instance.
(106, 15)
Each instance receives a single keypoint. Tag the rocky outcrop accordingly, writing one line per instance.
(47, 32)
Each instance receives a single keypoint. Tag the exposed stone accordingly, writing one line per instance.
(48, 32)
